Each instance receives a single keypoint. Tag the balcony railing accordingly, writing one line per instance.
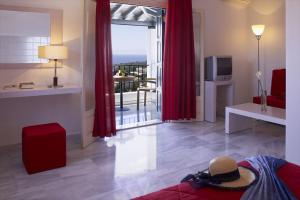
(139, 71)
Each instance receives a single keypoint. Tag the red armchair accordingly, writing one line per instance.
(277, 97)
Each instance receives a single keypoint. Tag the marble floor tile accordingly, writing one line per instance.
(136, 161)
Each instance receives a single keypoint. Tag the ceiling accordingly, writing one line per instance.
(134, 15)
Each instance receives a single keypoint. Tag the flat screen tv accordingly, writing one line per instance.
(218, 68)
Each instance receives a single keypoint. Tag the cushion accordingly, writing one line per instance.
(273, 101)
(278, 83)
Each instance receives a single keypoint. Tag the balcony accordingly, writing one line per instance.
(132, 116)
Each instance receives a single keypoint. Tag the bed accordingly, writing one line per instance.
(289, 174)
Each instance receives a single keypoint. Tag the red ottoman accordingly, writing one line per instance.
(43, 147)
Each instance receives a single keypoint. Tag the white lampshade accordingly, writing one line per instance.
(53, 52)
(258, 29)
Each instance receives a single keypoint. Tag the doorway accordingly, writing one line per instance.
(137, 41)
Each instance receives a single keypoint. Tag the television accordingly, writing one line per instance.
(218, 68)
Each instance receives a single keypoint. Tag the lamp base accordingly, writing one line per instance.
(55, 83)
(58, 86)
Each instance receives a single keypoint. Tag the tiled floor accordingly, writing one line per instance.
(135, 162)
(134, 117)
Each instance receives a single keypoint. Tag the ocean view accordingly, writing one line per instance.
(121, 59)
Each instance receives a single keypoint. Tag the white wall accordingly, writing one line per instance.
(293, 80)
(65, 109)
(152, 52)
(226, 34)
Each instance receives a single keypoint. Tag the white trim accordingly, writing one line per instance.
(200, 99)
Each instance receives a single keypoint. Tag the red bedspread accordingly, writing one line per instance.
(289, 173)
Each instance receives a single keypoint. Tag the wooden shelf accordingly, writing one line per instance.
(39, 91)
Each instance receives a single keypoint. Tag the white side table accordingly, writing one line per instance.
(211, 88)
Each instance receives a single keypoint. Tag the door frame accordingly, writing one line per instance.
(87, 115)
(200, 99)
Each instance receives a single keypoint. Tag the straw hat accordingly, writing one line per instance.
(225, 173)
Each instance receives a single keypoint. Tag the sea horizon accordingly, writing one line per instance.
(128, 58)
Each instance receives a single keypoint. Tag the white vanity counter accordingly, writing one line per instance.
(38, 91)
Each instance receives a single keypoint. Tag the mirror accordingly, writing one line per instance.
(21, 33)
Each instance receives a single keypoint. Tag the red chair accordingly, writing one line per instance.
(43, 147)
(277, 97)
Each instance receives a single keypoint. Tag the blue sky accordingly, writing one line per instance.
(129, 39)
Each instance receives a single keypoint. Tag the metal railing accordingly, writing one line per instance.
(139, 71)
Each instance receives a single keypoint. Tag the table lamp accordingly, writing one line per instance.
(53, 53)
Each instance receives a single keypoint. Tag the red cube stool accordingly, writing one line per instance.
(43, 147)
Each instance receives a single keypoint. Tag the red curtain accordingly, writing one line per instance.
(104, 122)
(179, 89)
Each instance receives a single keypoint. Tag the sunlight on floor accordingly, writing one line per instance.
(135, 152)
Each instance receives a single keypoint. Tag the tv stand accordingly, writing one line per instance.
(218, 95)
